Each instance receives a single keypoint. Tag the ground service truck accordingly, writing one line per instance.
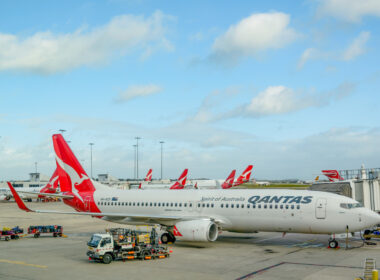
(125, 244)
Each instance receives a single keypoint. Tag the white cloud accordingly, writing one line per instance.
(47, 53)
(357, 47)
(349, 10)
(310, 54)
(253, 34)
(276, 100)
(137, 91)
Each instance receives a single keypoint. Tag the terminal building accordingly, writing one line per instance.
(361, 184)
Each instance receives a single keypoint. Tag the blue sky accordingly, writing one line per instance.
(290, 87)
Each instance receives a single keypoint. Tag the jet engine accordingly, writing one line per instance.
(196, 230)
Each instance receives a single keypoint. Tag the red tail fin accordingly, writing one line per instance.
(148, 177)
(228, 183)
(244, 177)
(196, 186)
(52, 185)
(72, 176)
(333, 175)
(140, 186)
(181, 182)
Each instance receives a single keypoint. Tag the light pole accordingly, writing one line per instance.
(137, 156)
(161, 142)
(134, 161)
(91, 144)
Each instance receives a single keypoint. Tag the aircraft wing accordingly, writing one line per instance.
(59, 195)
(157, 219)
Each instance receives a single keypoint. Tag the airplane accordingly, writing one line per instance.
(244, 177)
(148, 177)
(199, 215)
(229, 182)
(179, 184)
(332, 175)
(29, 193)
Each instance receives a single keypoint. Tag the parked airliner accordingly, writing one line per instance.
(199, 215)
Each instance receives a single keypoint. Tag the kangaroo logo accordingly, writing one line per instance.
(75, 178)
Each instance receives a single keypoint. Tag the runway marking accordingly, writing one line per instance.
(294, 263)
(22, 263)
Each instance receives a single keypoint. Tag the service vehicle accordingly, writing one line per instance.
(125, 244)
(46, 230)
(8, 233)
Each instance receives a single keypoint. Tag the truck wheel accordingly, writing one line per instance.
(55, 234)
(6, 238)
(165, 238)
(107, 258)
(17, 237)
(36, 235)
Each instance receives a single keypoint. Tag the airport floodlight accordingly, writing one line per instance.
(91, 144)
(161, 142)
(137, 156)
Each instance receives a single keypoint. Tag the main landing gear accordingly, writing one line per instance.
(333, 243)
(167, 237)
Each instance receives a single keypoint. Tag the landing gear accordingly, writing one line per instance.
(333, 244)
(167, 237)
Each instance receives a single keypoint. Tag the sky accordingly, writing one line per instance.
(288, 86)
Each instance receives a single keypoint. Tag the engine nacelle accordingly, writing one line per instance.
(196, 230)
(5, 197)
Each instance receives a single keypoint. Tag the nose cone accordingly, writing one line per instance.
(372, 218)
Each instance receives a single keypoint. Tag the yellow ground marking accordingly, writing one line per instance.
(22, 263)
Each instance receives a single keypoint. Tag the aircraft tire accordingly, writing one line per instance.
(333, 244)
(165, 238)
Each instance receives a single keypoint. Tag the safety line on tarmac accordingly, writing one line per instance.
(22, 263)
(295, 263)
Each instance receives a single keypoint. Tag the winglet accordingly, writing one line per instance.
(19, 201)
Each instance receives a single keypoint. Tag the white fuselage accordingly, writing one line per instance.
(241, 210)
(6, 192)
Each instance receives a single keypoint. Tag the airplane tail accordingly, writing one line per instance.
(228, 183)
(140, 186)
(181, 182)
(52, 185)
(148, 177)
(332, 175)
(72, 176)
(196, 186)
(244, 177)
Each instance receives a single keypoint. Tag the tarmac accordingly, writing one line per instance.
(232, 256)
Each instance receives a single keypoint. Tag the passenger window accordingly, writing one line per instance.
(221, 205)
(232, 205)
(292, 206)
(259, 206)
(249, 206)
(180, 205)
(253, 206)
(287, 206)
(185, 205)
(129, 203)
(208, 205)
(276, 206)
(237, 205)
(175, 204)
(298, 207)
(281, 206)
(138, 203)
(199, 205)
(151, 204)
(171, 204)
(119, 203)
(190, 205)
(159, 204)
(242, 206)
(226, 205)
(212, 205)
(265, 206)
(270, 206)
(155, 204)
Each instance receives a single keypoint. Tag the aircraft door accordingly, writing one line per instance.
(320, 208)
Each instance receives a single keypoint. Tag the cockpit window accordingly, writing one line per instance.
(350, 205)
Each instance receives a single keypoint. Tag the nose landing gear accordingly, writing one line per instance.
(333, 244)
